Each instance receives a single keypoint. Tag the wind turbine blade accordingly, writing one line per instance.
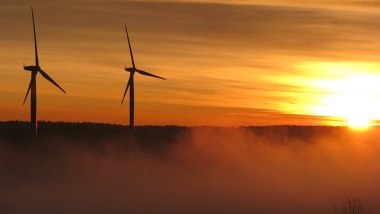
(148, 74)
(51, 80)
(130, 48)
(126, 89)
(35, 39)
(27, 92)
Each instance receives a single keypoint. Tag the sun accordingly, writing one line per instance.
(358, 122)
(351, 92)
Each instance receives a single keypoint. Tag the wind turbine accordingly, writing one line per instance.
(35, 69)
(130, 84)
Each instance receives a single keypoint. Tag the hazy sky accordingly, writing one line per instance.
(226, 62)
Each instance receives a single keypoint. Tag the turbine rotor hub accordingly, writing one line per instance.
(31, 68)
(130, 69)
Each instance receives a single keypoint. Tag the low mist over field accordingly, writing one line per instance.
(100, 169)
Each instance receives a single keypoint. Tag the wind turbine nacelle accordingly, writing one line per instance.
(31, 68)
(130, 69)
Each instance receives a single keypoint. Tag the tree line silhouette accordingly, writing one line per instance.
(92, 135)
(87, 134)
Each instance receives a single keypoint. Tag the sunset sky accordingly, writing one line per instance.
(227, 63)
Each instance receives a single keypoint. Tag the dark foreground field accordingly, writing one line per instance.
(101, 168)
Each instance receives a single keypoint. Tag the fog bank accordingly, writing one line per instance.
(202, 170)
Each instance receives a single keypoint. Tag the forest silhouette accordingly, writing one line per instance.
(92, 135)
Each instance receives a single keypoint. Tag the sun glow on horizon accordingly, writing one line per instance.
(358, 123)
(350, 91)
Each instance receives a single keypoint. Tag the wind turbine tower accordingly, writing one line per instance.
(34, 70)
(130, 84)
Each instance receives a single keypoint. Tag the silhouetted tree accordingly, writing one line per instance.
(352, 205)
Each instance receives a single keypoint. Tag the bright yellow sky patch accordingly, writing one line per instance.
(350, 91)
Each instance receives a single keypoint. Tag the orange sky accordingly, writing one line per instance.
(251, 63)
